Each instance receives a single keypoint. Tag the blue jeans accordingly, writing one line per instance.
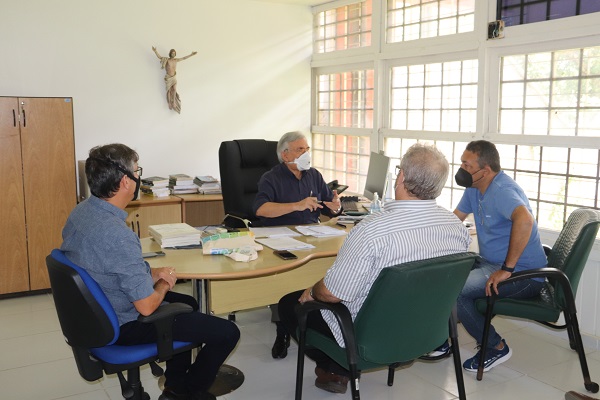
(474, 289)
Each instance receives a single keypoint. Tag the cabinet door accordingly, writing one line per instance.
(49, 177)
(140, 218)
(14, 274)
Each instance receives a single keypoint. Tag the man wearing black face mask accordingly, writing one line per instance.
(97, 239)
(508, 241)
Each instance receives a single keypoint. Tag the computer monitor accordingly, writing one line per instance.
(379, 165)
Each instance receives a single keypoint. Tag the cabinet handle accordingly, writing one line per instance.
(138, 225)
(24, 119)
(132, 226)
(14, 118)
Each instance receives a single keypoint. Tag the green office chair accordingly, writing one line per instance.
(405, 315)
(566, 261)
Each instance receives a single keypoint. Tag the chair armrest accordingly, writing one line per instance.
(548, 272)
(547, 250)
(162, 318)
(343, 317)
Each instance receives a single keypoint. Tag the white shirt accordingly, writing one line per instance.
(407, 230)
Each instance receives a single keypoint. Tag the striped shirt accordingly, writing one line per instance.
(407, 230)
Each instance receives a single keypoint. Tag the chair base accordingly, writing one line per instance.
(228, 379)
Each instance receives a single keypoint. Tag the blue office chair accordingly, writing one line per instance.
(90, 326)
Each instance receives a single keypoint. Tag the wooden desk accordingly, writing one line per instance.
(202, 209)
(232, 286)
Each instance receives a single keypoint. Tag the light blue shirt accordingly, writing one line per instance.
(97, 239)
(492, 212)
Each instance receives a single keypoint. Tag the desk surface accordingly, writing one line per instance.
(192, 264)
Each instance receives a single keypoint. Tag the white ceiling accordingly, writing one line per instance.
(300, 2)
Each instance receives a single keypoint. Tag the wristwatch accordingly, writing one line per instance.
(311, 293)
(507, 269)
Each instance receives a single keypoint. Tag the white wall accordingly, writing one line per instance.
(250, 78)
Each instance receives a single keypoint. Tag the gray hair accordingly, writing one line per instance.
(285, 141)
(425, 171)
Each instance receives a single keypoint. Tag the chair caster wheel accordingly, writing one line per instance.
(592, 387)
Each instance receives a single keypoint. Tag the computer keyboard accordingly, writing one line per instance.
(350, 203)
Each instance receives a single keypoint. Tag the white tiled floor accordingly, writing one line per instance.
(35, 363)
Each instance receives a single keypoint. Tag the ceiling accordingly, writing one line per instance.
(300, 2)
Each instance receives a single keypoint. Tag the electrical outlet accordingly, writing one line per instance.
(496, 30)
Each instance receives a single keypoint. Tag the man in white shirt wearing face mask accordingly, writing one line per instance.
(292, 193)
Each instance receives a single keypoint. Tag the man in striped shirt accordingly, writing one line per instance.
(411, 228)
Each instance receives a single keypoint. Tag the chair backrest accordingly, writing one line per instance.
(86, 317)
(406, 312)
(241, 164)
(572, 248)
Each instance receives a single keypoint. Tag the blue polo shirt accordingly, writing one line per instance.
(492, 212)
(280, 185)
(97, 239)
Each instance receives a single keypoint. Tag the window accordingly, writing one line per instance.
(535, 95)
(345, 99)
(342, 28)
(435, 97)
(341, 157)
(553, 93)
(518, 12)
(419, 19)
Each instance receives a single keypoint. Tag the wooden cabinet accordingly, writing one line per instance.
(152, 211)
(37, 175)
(202, 209)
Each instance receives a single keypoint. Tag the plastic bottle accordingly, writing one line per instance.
(375, 203)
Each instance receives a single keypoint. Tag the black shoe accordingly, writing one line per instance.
(171, 394)
(279, 350)
(443, 351)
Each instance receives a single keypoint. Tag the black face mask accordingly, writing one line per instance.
(138, 181)
(464, 178)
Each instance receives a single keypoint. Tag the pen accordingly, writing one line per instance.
(340, 224)
(310, 195)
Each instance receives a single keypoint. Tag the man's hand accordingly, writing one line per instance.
(309, 203)
(494, 280)
(305, 296)
(335, 204)
(167, 274)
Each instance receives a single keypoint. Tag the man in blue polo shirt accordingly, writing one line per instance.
(292, 193)
(508, 239)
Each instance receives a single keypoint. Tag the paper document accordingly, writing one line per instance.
(320, 231)
(285, 243)
(273, 232)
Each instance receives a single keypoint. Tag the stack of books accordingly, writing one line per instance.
(182, 184)
(207, 184)
(155, 186)
(175, 235)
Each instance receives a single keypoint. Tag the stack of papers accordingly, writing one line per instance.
(279, 231)
(320, 231)
(284, 243)
(173, 235)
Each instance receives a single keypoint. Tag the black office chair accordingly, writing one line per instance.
(241, 164)
(566, 261)
(405, 315)
(90, 326)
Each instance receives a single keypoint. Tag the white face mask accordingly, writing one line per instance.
(303, 162)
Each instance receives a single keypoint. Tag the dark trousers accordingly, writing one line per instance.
(218, 335)
(314, 321)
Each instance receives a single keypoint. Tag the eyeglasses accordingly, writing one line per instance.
(138, 170)
(397, 170)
